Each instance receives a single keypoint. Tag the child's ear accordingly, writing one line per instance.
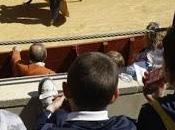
(115, 95)
(66, 90)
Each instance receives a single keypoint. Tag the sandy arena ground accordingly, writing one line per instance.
(86, 17)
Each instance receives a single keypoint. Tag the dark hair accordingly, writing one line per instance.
(37, 52)
(169, 54)
(92, 79)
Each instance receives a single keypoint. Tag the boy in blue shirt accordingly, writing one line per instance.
(91, 86)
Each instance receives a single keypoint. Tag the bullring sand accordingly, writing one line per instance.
(86, 17)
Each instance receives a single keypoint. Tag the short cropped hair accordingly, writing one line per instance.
(92, 81)
(169, 54)
(37, 52)
(117, 57)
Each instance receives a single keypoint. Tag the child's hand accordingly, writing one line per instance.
(56, 104)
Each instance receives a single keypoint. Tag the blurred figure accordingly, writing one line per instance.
(152, 54)
(159, 112)
(155, 55)
(151, 57)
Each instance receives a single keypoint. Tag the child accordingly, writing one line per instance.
(152, 55)
(159, 112)
(91, 86)
(151, 37)
(125, 73)
(155, 56)
(117, 57)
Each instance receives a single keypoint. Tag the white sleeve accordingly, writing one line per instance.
(10, 121)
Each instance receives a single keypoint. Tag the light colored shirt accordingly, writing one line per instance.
(10, 121)
(88, 116)
(42, 64)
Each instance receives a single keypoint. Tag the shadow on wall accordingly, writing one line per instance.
(30, 113)
(5, 67)
(34, 13)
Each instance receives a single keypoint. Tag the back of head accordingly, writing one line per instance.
(117, 57)
(37, 52)
(92, 81)
(169, 55)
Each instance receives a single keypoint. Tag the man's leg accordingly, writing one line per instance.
(54, 9)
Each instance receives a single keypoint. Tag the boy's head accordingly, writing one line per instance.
(117, 57)
(92, 81)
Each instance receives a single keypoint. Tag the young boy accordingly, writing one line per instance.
(125, 73)
(151, 57)
(117, 57)
(91, 86)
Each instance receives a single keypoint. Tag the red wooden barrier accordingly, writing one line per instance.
(60, 58)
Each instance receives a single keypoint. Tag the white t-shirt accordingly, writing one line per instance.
(10, 121)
